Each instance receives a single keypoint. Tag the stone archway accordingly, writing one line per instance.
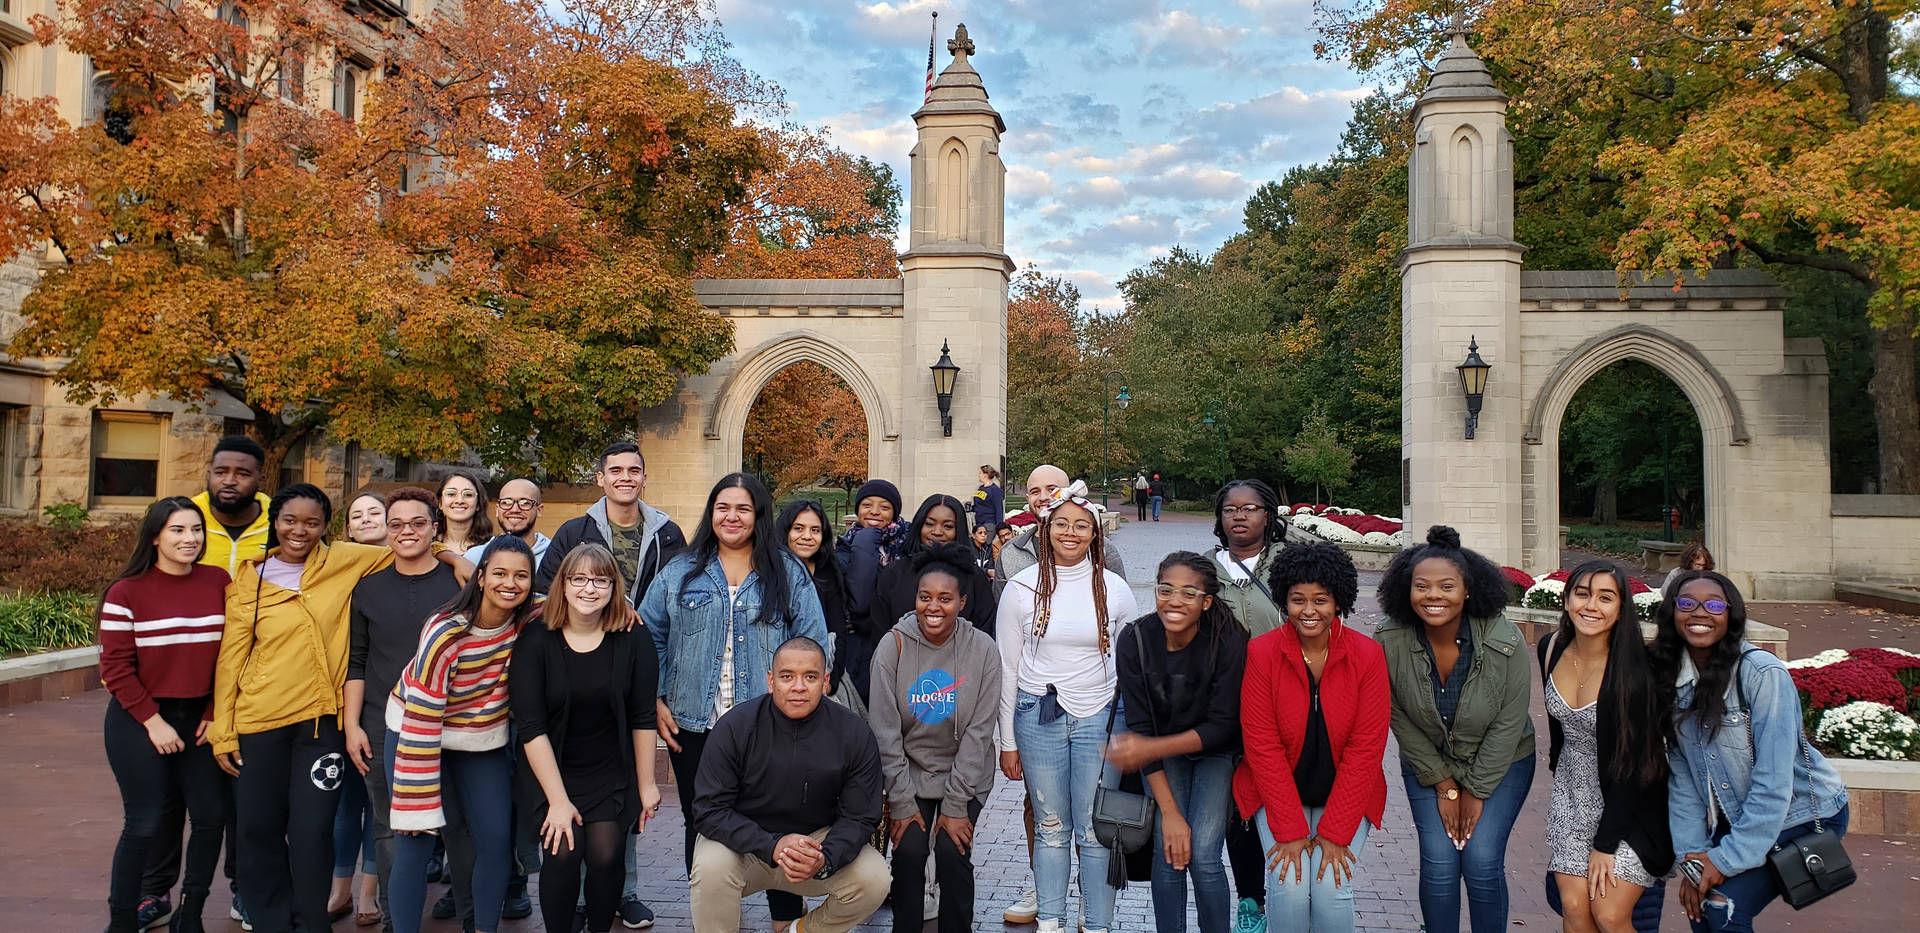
(1722, 425)
(726, 423)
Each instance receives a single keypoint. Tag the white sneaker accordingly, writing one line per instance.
(1048, 926)
(1026, 909)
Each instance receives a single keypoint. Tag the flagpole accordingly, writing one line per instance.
(932, 33)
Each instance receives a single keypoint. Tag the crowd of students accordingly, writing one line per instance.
(431, 698)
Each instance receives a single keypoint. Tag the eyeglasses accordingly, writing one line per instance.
(585, 582)
(519, 505)
(1079, 528)
(1230, 511)
(1714, 607)
(418, 524)
(1169, 591)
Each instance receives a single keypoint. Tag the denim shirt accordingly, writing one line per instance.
(690, 629)
(1763, 786)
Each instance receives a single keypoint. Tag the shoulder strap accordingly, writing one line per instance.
(899, 646)
(1237, 562)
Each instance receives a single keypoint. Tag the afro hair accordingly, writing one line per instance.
(1486, 585)
(1322, 563)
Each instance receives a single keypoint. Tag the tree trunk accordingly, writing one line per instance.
(1606, 502)
(1896, 406)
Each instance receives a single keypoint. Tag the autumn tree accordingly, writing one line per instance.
(1773, 131)
(1058, 355)
(490, 246)
(807, 428)
(816, 213)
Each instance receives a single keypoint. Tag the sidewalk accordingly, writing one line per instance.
(61, 810)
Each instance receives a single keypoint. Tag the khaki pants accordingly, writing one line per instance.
(721, 878)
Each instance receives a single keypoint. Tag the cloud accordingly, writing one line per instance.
(1103, 190)
(1115, 235)
(1249, 122)
(1025, 182)
(1195, 182)
(1179, 38)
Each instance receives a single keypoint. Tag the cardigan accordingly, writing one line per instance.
(1631, 812)
(453, 696)
(541, 702)
(160, 637)
(1354, 698)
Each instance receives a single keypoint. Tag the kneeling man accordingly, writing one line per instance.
(787, 796)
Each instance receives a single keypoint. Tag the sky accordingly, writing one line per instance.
(1132, 125)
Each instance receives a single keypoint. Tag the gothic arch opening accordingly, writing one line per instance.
(1631, 463)
(806, 432)
(952, 219)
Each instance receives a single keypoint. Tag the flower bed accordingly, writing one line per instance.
(1856, 703)
(1347, 526)
(1548, 588)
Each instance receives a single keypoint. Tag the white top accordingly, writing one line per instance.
(1068, 656)
(282, 574)
(723, 697)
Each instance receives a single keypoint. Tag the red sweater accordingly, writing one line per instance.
(1354, 697)
(160, 637)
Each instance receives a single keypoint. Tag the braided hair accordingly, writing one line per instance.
(1049, 576)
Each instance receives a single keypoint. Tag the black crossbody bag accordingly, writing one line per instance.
(1809, 867)
(1122, 820)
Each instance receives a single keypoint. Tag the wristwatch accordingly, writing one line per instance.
(1453, 793)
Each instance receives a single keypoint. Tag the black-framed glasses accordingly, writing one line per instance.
(1169, 591)
(519, 505)
(1249, 510)
(590, 583)
(1716, 607)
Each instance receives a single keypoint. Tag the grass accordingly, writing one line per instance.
(34, 622)
(1621, 540)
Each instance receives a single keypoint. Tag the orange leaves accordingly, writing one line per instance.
(806, 427)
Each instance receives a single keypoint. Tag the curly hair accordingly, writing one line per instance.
(1486, 585)
(1322, 563)
(1275, 528)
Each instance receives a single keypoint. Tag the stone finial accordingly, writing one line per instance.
(1458, 28)
(960, 45)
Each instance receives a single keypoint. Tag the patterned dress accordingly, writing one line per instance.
(1576, 795)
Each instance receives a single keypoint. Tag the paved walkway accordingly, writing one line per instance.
(61, 811)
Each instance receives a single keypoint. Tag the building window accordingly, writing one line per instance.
(126, 457)
(346, 90)
(403, 469)
(13, 456)
(293, 468)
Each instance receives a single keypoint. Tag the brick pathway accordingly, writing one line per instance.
(61, 813)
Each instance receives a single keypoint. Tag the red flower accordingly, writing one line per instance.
(1846, 681)
(1518, 577)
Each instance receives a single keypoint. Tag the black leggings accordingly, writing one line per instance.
(602, 846)
(1247, 860)
(952, 867)
(783, 905)
(288, 790)
(146, 778)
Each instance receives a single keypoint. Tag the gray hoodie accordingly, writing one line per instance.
(934, 710)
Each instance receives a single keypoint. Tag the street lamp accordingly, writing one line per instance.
(1473, 382)
(1106, 404)
(944, 374)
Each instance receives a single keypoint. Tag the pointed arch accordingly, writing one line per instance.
(950, 199)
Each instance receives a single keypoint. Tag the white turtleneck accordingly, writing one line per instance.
(1068, 656)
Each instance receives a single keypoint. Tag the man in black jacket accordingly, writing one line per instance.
(641, 537)
(787, 795)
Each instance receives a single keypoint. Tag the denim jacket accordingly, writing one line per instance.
(690, 627)
(1763, 785)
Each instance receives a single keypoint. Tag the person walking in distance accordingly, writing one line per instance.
(1140, 493)
(1156, 493)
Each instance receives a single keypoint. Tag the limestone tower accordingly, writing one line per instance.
(956, 271)
(1460, 284)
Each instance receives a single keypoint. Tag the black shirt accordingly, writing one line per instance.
(1169, 692)
(1313, 773)
(389, 609)
(1446, 696)
(586, 768)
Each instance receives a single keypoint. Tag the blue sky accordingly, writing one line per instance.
(1132, 125)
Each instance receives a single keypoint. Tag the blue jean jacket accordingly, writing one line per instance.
(690, 625)
(1763, 786)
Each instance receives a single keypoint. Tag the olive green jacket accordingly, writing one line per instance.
(1491, 728)
(1257, 614)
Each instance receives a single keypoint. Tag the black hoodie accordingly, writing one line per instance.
(763, 775)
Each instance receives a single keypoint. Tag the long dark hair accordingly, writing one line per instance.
(287, 494)
(482, 526)
(1642, 701)
(1486, 585)
(467, 602)
(1710, 690)
(920, 520)
(145, 554)
(769, 550)
(826, 564)
(1268, 498)
(1216, 621)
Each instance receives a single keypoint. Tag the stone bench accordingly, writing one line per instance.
(1660, 556)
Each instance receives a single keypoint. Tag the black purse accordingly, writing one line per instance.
(1809, 867)
(1122, 820)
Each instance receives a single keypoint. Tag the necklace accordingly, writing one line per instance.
(1311, 663)
(1580, 673)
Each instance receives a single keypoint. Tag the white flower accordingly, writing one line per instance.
(1865, 729)
(1380, 538)
(1285, 511)
(1824, 658)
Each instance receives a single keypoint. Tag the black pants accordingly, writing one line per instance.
(288, 790)
(1140, 499)
(784, 905)
(952, 867)
(146, 779)
(1246, 860)
(163, 858)
(600, 849)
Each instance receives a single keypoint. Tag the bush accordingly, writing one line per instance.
(1615, 541)
(50, 558)
(46, 622)
(1868, 730)
(1843, 682)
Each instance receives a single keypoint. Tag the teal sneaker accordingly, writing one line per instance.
(1250, 919)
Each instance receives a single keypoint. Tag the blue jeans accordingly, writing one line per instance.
(485, 797)
(1203, 790)
(1749, 892)
(353, 829)
(1156, 507)
(1310, 902)
(1063, 761)
(1482, 864)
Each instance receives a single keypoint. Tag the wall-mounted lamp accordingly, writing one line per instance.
(944, 375)
(1473, 382)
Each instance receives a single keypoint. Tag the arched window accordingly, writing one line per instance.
(1462, 211)
(952, 187)
(104, 104)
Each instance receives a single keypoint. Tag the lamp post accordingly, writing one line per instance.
(944, 374)
(1473, 382)
(1106, 404)
(1220, 428)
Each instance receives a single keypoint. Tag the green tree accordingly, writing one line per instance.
(1316, 456)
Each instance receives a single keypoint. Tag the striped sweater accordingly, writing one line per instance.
(160, 637)
(452, 696)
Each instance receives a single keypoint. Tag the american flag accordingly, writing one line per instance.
(931, 33)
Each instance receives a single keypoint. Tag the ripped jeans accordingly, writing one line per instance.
(1731, 907)
(1062, 764)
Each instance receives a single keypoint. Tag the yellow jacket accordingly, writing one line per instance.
(228, 553)
(283, 655)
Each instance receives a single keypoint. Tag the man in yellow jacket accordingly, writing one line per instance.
(233, 505)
